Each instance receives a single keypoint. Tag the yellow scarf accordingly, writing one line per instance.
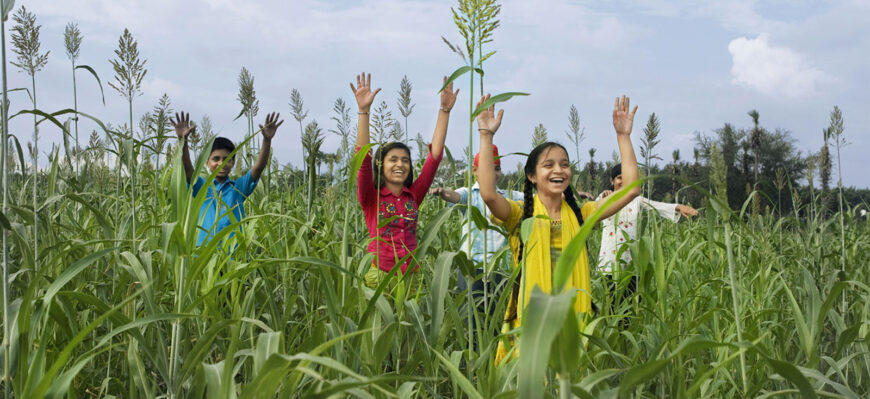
(538, 270)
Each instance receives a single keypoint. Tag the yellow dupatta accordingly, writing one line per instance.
(538, 269)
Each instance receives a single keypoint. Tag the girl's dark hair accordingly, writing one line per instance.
(529, 208)
(380, 154)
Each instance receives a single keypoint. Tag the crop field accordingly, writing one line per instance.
(106, 294)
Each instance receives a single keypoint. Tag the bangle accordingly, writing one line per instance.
(445, 110)
(363, 113)
(487, 130)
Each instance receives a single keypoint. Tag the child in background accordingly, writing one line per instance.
(547, 192)
(392, 194)
(225, 200)
(495, 241)
(613, 238)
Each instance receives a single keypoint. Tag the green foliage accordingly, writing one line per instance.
(129, 68)
(25, 42)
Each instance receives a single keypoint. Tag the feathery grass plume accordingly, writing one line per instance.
(648, 142)
(343, 129)
(422, 149)
(812, 161)
(576, 134)
(719, 176)
(396, 132)
(247, 97)
(780, 181)
(25, 42)
(591, 170)
(836, 129)
(297, 109)
(404, 102)
(72, 40)
(539, 136)
(205, 131)
(312, 139)
(162, 127)
(129, 72)
(382, 121)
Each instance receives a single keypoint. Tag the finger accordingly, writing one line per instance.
(376, 92)
(633, 111)
(353, 89)
(369, 81)
(456, 93)
(445, 81)
(261, 126)
(627, 104)
(358, 84)
(279, 124)
(616, 104)
(500, 115)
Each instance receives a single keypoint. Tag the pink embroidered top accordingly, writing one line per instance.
(395, 240)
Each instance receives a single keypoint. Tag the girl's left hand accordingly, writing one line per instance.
(622, 118)
(687, 211)
(448, 96)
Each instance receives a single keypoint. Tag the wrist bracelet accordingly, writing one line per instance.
(490, 131)
(363, 113)
(445, 110)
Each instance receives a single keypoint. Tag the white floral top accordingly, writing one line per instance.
(626, 219)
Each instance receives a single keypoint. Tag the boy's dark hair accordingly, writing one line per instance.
(529, 207)
(222, 143)
(380, 154)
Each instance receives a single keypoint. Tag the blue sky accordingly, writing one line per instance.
(695, 64)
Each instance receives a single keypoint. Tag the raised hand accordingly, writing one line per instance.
(448, 96)
(182, 125)
(271, 126)
(487, 122)
(623, 120)
(363, 92)
(606, 193)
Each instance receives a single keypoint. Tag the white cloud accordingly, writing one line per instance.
(773, 70)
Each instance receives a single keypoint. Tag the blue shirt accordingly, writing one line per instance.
(494, 240)
(222, 200)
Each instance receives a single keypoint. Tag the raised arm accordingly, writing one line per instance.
(268, 131)
(623, 120)
(448, 99)
(182, 125)
(487, 124)
(364, 99)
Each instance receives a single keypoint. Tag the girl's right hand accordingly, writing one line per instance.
(622, 118)
(487, 122)
(363, 92)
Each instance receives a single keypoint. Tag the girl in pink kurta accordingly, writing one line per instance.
(391, 197)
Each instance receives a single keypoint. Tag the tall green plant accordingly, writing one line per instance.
(647, 144)
(343, 129)
(312, 139)
(5, 8)
(129, 71)
(25, 42)
(539, 136)
(247, 97)
(836, 129)
(72, 40)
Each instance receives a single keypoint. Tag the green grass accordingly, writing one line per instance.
(288, 315)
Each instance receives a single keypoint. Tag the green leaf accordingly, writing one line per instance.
(455, 75)
(542, 320)
(97, 77)
(493, 100)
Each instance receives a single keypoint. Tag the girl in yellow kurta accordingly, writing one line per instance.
(548, 192)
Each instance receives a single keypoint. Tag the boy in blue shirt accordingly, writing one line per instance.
(227, 196)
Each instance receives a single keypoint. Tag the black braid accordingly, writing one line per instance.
(528, 211)
(572, 203)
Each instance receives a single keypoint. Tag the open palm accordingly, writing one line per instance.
(623, 120)
(363, 91)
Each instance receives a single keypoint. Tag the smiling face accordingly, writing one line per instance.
(216, 158)
(397, 166)
(617, 182)
(552, 171)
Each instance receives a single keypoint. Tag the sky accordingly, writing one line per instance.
(695, 64)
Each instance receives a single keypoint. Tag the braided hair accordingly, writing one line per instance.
(529, 209)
